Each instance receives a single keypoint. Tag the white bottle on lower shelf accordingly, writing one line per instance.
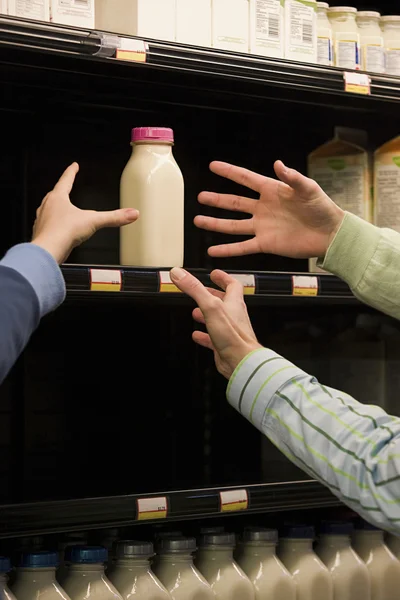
(350, 576)
(313, 580)
(5, 567)
(175, 570)
(36, 577)
(215, 561)
(86, 579)
(132, 575)
(271, 580)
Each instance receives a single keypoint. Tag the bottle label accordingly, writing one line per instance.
(347, 54)
(269, 23)
(302, 26)
(344, 179)
(387, 210)
(373, 57)
(393, 61)
(81, 8)
(29, 9)
(324, 51)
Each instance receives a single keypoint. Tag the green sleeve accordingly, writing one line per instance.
(368, 259)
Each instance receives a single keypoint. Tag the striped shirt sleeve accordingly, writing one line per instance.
(352, 448)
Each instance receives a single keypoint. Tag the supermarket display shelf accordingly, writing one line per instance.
(118, 511)
(99, 47)
(129, 283)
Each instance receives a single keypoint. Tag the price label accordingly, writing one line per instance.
(105, 280)
(152, 508)
(132, 50)
(166, 284)
(248, 282)
(305, 285)
(357, 83)
(233, 500)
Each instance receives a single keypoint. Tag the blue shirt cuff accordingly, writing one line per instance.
(41, 270)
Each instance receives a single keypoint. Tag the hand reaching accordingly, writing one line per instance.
(60, 226)
(230, 334)
(293, 217)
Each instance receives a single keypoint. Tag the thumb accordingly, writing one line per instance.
(116, 218)
(304, 186)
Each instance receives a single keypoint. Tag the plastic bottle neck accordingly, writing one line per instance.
(95, 570)
(133, 564)
(45, 575)
(335, 541)
(217, 553)
(176, 557)
(261, 550)
(160, 149)
(368, 539)
(296, 546)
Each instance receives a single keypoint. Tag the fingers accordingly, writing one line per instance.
(193, 288)
(301, 184)
(198, 316)
(232, 226)
(115, 218)
(66, 181)
(203, 339)
(236, 249)
(228, 202)
(254, 181)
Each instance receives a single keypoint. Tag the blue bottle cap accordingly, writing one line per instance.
(298, 532)
(86, 554)
(362, 525)
(336, 528)
(38, 560)
(5, 564)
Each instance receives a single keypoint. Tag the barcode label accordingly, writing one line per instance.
(307, 32)
(82, 3)
(273, 26)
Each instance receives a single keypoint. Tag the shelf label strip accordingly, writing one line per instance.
(233, 500)
(304, 285)
(357, 83)
(152, 508)
(248, 282)
(105, 280)
(166, 285)
(132, 50)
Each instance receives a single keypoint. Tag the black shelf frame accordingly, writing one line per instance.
(145, 283)
(117, 511)
(95, 46)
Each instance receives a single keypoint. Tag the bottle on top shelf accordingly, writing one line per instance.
(267, 28)
(371, 41)
(346, 37)
(324, 35)
(391, 35)
(301, 30)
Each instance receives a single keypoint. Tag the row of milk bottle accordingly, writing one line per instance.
(346, 565)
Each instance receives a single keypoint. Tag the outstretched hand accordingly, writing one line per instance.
(293, 217)
(229, 332)
(60, 226)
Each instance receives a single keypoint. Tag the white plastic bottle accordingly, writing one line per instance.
(324, 35)
(313, 580)
(152, 182)
(5, 567)
(215, 561)
(86, 579)
(346, 37)
(371, 41)
(193, 22)
(132, 575)
(393, 543)
(350, 575)
(271, 580)
(78, 538)
(301, 30)
(267, 28)
(36, 577)
(391, 36)
(30, 9)
(230, 25)
(383, 566)
(175, 569)
(77, 13)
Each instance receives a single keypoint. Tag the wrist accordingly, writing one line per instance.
(337, 221)
(57, 248)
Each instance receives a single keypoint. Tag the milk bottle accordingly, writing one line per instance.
(153, 183)
(176, 571)
(36, 577)
(383, 566)
(271, 580)
(5, 567)
(313, 580)
(393, 543)
(132, 575)
(349, 574)
(86, 579)
(215, 561)
(71, 539)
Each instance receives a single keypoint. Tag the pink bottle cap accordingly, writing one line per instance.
(161, 134)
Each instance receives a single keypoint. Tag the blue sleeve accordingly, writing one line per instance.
(31, 285)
